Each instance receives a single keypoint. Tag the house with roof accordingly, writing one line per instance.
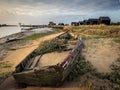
(104, 20)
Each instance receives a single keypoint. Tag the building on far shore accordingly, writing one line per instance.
(66, 24)
(74, 23)
(85, 22)
(52, 23)
(3, 25)
(93, 21)
(81, 23)
(104, 20)
(61, 24)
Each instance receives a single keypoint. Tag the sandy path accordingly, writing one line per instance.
(101, 53)
(17, 56)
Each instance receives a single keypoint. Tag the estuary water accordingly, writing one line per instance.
(5, 31)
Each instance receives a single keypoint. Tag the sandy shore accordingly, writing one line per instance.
(5, 45)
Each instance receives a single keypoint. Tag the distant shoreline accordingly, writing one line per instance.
(16, 35)
(8, 26)
(20, 35)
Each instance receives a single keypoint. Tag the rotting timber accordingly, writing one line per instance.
(35, 69)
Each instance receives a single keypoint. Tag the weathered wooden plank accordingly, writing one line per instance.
(35, 61)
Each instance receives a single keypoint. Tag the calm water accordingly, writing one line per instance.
(5, 31)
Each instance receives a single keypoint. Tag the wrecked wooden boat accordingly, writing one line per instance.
(49, 69)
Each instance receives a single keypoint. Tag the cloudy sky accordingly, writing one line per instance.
(43, 11)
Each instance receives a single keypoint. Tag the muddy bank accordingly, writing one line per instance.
(24, 34)
(11, 42)
(5, 45)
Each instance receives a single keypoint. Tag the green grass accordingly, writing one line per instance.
(51, 46)
(10, 49)
(39, 35)
(113, 77)
(5, 74)
(5, 65)
(82, 67)
(115, 74)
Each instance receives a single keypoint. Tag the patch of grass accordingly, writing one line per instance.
(5, 65)
(97, 27)
(109, 31)
(82, 67)
(114, 76)
(57, 44)
(10, 49)
(92, 37)
(100, 75)
(39, 35)
(50, 46)
(5, 74)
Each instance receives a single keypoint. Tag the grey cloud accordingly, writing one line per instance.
(59, 10)
(77, 4)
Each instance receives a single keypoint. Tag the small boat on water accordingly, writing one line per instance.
(49, 69)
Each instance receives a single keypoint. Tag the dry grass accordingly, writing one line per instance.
(101, 30)
(101, 53)
(67, 28)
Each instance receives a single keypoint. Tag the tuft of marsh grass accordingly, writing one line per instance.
(51, 46)
(114, 76)
(82, 67)
(5, 74)
(5, 65)
(39, 35)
